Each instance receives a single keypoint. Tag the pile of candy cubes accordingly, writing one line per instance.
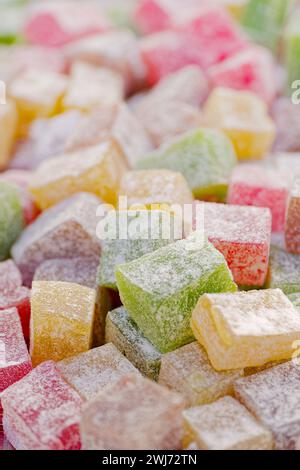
(118, 120)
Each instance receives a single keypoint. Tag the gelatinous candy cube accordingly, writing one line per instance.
(41, 412)
(252, 185)
(117, 50)
(246, 329)
(204, 156)
(10, 276)
(161, 289)
(97, 169)
(148, 187)
(288, 164)
(62, 318)
(134, 413)
(126, 336)
(54, 24)
(8, 126)
(264, 20)
(154, 15)
(291, 49)
(292, 225)
(90, 372)
(11, 217)
(67, 230)
(15, 361)
(225, 425)
(243, 117)
(252, 69)
(188, 371)
(37, 93)
(147, 231)
(106, 87)
(287, 119)
(242, 234)
(273, 397)
(284, 271)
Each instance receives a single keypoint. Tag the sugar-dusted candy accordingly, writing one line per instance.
(225, 425)
(62, 319)
(273, 397)
(42, 412)
(242, 234)
(125, 335)
(15, 361)
(252, 69)
(67, 230)
(8, 126)
(90, 372)
(292, 225)
(243, 116)
(37, 93)
(161, 289)
(155, 187)
(54, 24)
(287, 118)
(97, 169)
(106, 87)
(10, 276)
(246, 329)
(288, 163)
(252, 185)
(11, 217)
(134, 413)
(204, 156)
(154, 229)
(155, 15)
(188, 371)
(295, 299)
(284, 271)
(264, 21)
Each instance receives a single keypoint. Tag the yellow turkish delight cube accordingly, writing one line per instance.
(8, 128)
(243, 116)
(62, 317)
(246, 329)
(97, 170)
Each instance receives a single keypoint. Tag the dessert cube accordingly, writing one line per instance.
(11, 217)
(8, 126)
(292, 225)
(284, 271)
(287, 119)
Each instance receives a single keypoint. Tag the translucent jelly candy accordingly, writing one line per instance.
(246, 329)
(292, 226)
(265, 19)
(67, 230)
(41, 412)
(97, 169)
(106, 87)
(188, 371)
(8, 125)
(161, 289)
(204, 156)
(154, 15)
(15, 361)
(243, 117)
(126, 336)
(53, 24)
(252, 185)
(37, 93)
(11, 217)
(151, 235)
(224, 425)
(287, 118)
(284, 271)
(90, 372)
(13, 294)
(252, 69)
(147, 187)
(134, 413)
(273, 397)
(242, 234)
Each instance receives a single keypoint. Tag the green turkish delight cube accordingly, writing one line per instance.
(284, 271)
(11, 217)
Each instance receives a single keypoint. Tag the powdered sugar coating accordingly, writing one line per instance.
(284, 271)
(10, 277)
(41, 412)
(11, 217)
(286, 116)
(292, 230)
(90, 372)
(273, 397)
(134, 413)
(225, 425)
(188, 371)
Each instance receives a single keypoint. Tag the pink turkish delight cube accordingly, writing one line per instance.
(292, 226)
(242, 234)
(42, 412)
(151, 16)
(254, 185)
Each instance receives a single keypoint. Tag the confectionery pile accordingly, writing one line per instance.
(146, 341)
